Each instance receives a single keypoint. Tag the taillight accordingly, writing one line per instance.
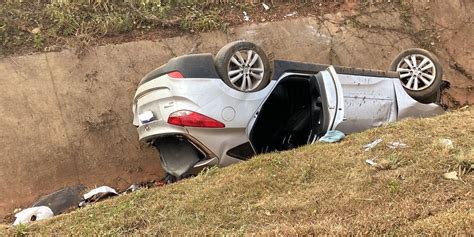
(193, 119)
(175, 74)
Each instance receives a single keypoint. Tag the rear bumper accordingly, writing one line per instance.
(150, 131)
(164, 96)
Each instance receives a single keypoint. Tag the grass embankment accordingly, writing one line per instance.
(320, 188)
(50, 25)
(46, 25)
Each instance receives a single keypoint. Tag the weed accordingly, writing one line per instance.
(206, 172)
(393, 186)
(278, 162)
(38, 41)
(21, 230)
(392, 162)
(464, 163)
(196, 19)
(306, 174)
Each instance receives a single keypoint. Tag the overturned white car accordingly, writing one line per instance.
(200, 110)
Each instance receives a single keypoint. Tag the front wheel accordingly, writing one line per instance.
(243, 66)
(421, 74)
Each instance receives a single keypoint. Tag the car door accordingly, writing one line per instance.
(327, 102)
(327, 105)
(369, 102)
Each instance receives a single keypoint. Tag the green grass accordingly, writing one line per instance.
(51, 25)
(27, 25)
(320, 188)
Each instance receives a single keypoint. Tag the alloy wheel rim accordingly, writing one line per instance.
(245, 70)
(417, 72)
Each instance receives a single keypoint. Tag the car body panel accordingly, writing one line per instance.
(166, 95)
(369, 102)
(410, 108)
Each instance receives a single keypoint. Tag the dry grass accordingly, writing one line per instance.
(321, 188)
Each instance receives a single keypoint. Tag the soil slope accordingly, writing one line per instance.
(320, 188)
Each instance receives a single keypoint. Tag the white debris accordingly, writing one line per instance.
(395, 145)
(246, 17)
(372, 144)
(132, 188)
(371, 162)
(446, 143)
(33, 214)
(451, 175)
(265, 6)
(36, 30)
(103, 189)
(291, 14)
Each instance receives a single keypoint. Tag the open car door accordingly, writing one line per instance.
(327, 102)
(299, 110)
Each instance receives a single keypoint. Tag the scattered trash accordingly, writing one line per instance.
(446, 143)
(62, 200)
(332, 136)
(103, 189)
(265, 6)
(133, 188)
(371, 162)
(33, 214)
(97, 194)
(36, 30)
(291, 14)
(451, 175)
(68, 198)
(378, 166)
(372, 144)
(395, 145)
(160, 183)
(246, 17)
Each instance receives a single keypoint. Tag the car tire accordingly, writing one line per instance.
(422, 79)
(243, 66)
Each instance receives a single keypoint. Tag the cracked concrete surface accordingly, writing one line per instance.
(66, 120)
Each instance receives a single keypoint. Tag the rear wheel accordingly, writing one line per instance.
(243, 66)
(421, 74)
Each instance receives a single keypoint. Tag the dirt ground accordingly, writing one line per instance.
(67, 119)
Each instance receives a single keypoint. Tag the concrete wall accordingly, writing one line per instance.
(66, 120)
